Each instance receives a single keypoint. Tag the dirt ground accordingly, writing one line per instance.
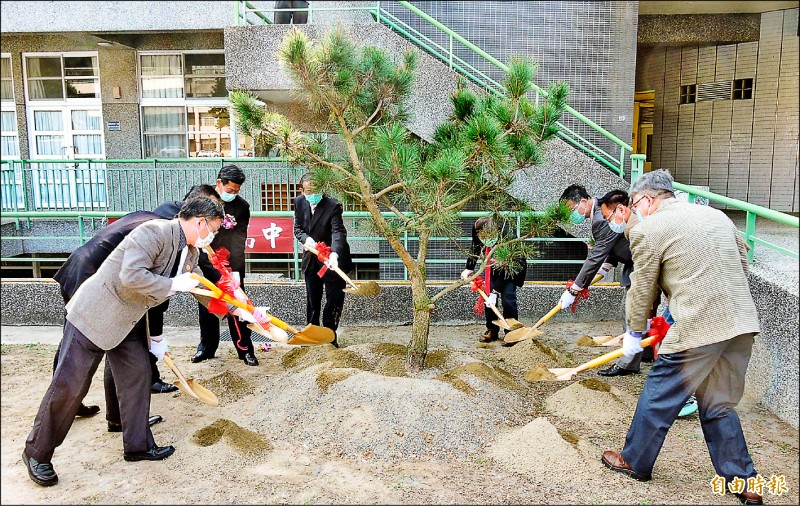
(246, 452)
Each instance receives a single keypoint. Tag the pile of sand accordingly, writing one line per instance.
(531, 352)
(228, 386)
(242, 440)
(592, 401)
(539, 449)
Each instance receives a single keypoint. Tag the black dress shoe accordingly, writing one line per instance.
(249, 359)
(615, 370)
(200, 356)
(42, 473)
(117, 427)
(749, 498)
(161, 387)
(154, 453)
(87, 411)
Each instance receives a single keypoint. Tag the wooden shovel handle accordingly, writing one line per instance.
(549, 315)
(608, 357)
(337, 270)
(494, 308)
(179, 374)
(219, 294)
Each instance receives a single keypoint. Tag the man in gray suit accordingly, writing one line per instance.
(106, 316)
(697, 257)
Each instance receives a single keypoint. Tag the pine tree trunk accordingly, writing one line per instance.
(420, 327)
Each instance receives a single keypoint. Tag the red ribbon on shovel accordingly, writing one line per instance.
(324, 254)
(658, 330)
(583, 294)
(476, 285)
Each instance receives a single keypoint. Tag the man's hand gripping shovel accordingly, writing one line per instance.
(311, 334)
(368, 288)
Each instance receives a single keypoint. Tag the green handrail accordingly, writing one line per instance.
(753, 211)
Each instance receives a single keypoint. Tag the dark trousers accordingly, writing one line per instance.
(715, 374)
(334, 298)
(209, 332)
(284, 18)
(508, 296)
(76, 365)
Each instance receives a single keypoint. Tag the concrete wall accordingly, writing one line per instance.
(745, 149)
(684, 29)
(77, 16)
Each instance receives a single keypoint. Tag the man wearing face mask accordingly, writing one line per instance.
(232, 236)
(318, 218)
(607, 214)
(500, 282)
(685, 250)
(105, 317)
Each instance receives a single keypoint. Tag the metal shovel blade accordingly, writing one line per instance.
(198, 391)
(313, 334)
(259, 329)
(521, 334)
(368, 289)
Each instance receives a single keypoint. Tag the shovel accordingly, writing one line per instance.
(608, 340)
(529, 332)
(367, 288)
(311, 334)
(189, 386)
(566, 374)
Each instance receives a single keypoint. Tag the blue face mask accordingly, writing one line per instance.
(576, 217)
(639, 215)
(617, 228)
(227, 197)
(314, 198)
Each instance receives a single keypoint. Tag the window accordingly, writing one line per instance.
(7, 94)
(279, 196)
(10, 173)
(184, 106)
(62, 76)
(742, 89)
(688, 94)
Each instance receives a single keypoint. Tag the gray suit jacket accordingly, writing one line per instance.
(697, 257)
(134, 278)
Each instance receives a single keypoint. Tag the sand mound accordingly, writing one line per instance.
(539, 449)
(586, 341)
(242, 440)
(228, 386)
(389, 418)
(530, 352)
(593, 401)
(540, 372)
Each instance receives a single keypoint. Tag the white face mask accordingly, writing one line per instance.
(202, 242)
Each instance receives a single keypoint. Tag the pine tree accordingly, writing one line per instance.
(423, 186)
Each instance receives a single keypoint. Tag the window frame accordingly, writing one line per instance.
(738, 93)
(11, 106)
(64, 100)
(685, 92)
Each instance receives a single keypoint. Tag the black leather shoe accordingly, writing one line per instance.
(615, 370)
(249, 359)
(161, 387)
(749, 498)
(200, 356)
(117, 427)
(42, 473)
(87, 411)
(154, 453)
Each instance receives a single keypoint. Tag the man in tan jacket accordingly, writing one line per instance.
(106, 317)
(696, 256)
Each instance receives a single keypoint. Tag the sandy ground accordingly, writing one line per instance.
(547, 453)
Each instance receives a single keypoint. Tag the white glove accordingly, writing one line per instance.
(604, 269)
(310, 243)
(183, 282)
(492, 300)
(466, 273)
(236, 277)
(159, 348)
(244, 315)
(631, 344)
(566, 299)
(333, 260)
(261, 313)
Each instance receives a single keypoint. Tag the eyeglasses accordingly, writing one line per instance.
(214, 232)
(633, 206)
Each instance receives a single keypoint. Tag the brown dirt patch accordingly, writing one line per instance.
(540, 373)
(228, 386)
(586, 341)
(531, 351)
(242, 440)
(328, 377)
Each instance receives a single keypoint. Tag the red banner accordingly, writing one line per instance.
(270, 235)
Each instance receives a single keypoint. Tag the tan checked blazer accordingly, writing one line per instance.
(696, 256)
(134, 278)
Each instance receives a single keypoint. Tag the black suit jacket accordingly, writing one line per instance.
(610, 247)
(325, 225)
(84, 261)
(478, 249)
(169, 209)
(232, 239)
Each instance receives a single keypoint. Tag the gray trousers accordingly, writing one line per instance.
(715, 374)
(76, 366)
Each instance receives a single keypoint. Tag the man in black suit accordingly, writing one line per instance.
(232, 236)
(318, 218)
(503, 282)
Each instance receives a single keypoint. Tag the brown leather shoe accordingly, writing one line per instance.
(489, 336)
(615, 462)
(749, 498)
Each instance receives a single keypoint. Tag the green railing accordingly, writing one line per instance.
(612, 156)
(446, 259)
(753, 211)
